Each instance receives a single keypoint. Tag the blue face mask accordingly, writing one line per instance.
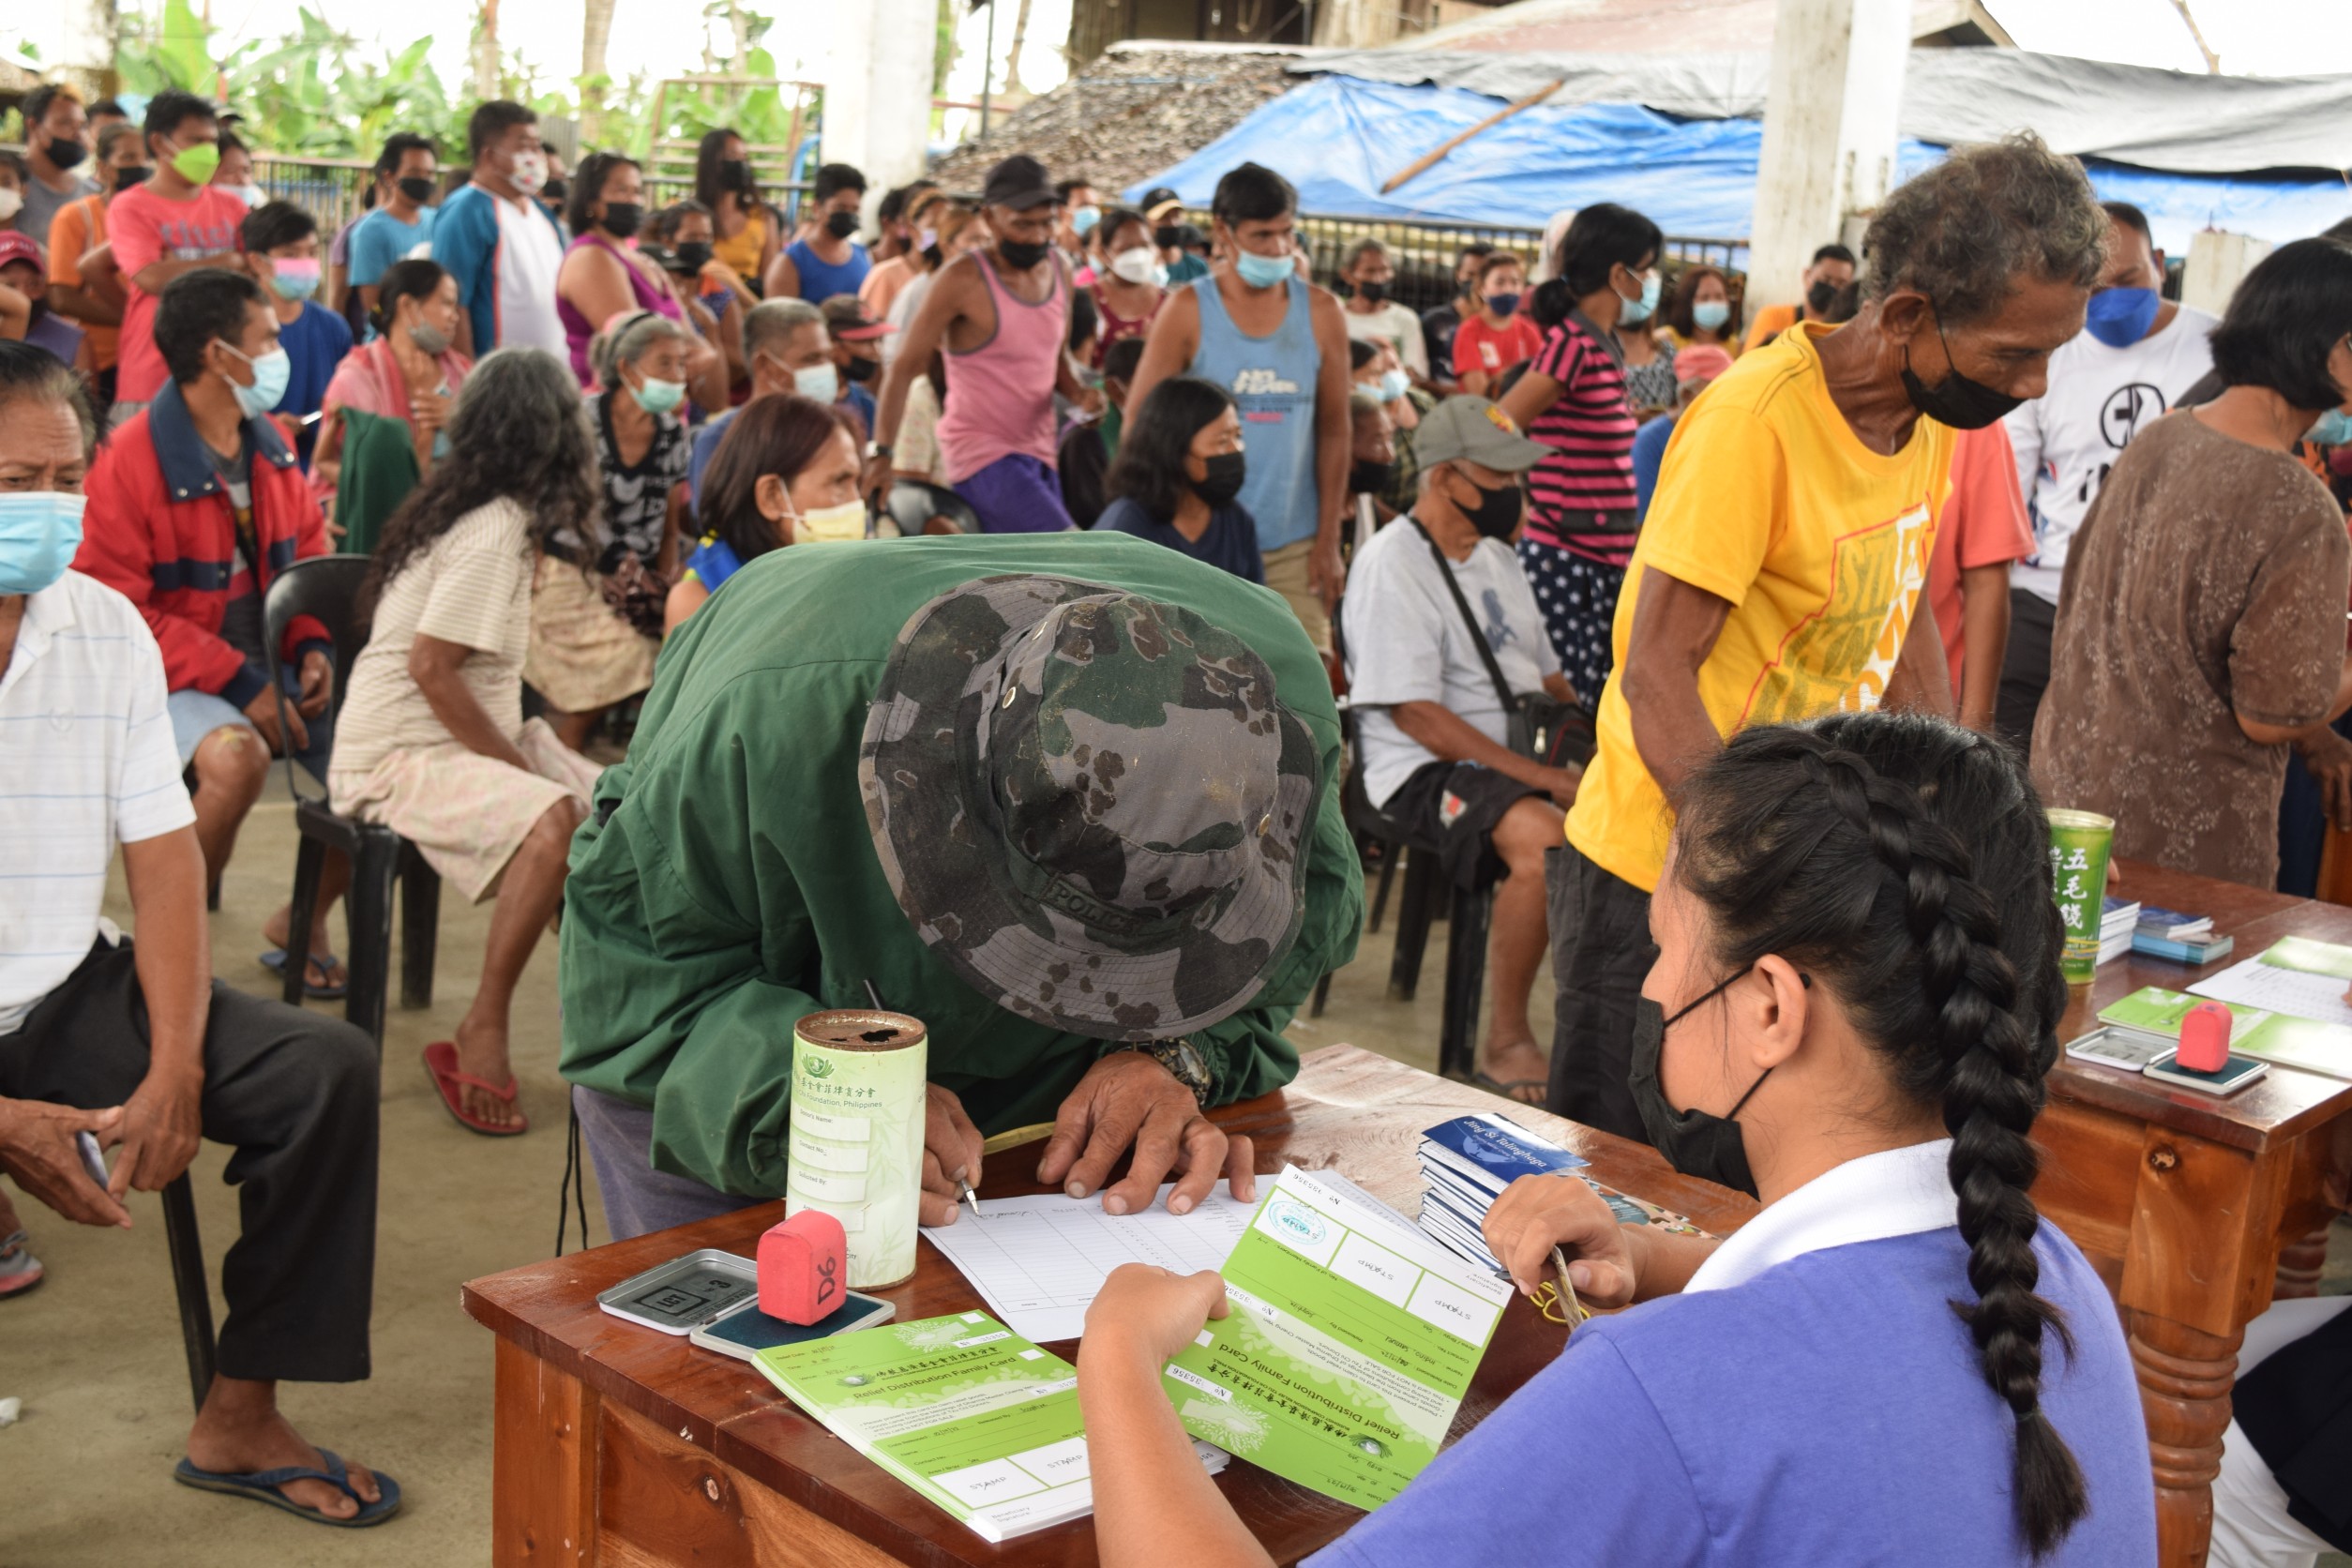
(820, 381)
(1633, 313)
(1262, 272)
(2333, 430)
(1082, 220)
(1392, 385)
(2121, 317)
(1709, 315)
(39, 531)
(271, 373)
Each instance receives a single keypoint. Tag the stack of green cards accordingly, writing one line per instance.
(2289, 1042)
(1351, 1340)
(970, 1415)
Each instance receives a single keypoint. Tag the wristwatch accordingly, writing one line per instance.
(876, 450)
(1183, 1060)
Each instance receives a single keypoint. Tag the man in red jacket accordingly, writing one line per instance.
(194, 504)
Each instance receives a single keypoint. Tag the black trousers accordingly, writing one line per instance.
(1601, 954)
(295, 1095)
(2025, 669)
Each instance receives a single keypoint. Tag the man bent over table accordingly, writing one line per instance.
(1101, 860)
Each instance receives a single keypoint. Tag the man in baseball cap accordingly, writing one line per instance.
(857, 334)
(25, 311)
(1072, 803)
(1165, 211)
(1438, 620)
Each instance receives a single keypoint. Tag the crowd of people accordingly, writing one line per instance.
(1988, 472)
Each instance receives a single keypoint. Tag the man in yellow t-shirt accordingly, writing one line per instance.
(1779, 571)
(1830, 269)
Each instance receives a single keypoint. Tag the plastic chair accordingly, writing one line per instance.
(326, 588)
(918, 507)
(187, 1281)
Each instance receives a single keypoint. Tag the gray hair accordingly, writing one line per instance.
(1966, 232)
(30, 373)
(766, 325)
(628, 340)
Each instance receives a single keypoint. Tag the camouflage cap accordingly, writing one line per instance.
(1090, 803)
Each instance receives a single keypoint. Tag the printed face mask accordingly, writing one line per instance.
(530, 172)
(295, 277)
(39, 531)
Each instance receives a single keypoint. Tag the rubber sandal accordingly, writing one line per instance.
(20, 1271)
(274, 962)
(441, 1061)
(1504, 1087)
(262, 1487)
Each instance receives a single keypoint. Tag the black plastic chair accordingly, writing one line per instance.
(326, 587)
(918, 508)
(187, 1248)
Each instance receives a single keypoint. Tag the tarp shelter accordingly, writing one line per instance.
(1340, 135)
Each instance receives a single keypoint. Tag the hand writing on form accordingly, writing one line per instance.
(1130, 1100)
(951, 1156)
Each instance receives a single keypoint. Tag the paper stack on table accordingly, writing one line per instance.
(973, 1417)
(1468, 1162)
(2186, 939)
(2294, 975)
(2118, 918)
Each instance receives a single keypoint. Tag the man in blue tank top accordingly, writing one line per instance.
(825, 261)
(1257, 327)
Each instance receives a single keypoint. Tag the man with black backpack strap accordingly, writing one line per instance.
(1447, 659)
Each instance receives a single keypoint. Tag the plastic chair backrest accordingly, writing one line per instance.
(916, 507)
(326, 588)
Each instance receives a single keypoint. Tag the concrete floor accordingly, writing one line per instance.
(95, 1352)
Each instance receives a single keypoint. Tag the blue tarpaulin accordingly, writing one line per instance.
(1338, 138)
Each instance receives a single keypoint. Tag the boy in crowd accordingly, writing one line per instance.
(1498, 337)
(826, 259)
(408, 170)
(1088, 446)
(24, 311)
(856, 355)
(1439, 323)
(282, 251)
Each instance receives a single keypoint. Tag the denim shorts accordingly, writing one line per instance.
(197, 714)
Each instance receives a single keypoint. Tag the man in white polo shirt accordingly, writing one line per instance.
(143, 1048)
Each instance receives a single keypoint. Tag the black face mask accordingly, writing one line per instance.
(622, 218)
(1956, 400)
(555, 192)
(126, 178)
(416, 187)
(1021, 254)
(1373, 292)
(694, 255)
(841, 225)
(1693, 1141)
(734, 174)
(65, 154)
(1497, 514)
(1226, 470)
(860, 370)
(1371, 478)
(1819, 298)
(1167, 236)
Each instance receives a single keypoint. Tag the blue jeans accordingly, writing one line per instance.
(197, 714)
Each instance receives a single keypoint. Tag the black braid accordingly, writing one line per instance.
(1905, 861)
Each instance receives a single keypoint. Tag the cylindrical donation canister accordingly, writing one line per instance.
(858, 1107)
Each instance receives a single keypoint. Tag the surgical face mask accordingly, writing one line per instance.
(828, 524)
(841, 225)
(416, 187)
(1504, 304)
(1082, 220)
(819, 382)
(1021, 254)
(429, 338)
(271, 373)
(196, 162)
(659, 397)
(1263, 272)
(2334, 428)
(1393, 385)
(694, 255)
(1497, 514)
(530, 172)
(1633, 313)
(66, 154)
(1693, 1141)
(126, 178)
(2121, 317)
(1709, 315)
(926, 241)
(622, 220)
(1956, 400)
(1139, 263)
(251, 195)
(12, 203)
(1226, 472)
(39, 531)
(295, 277)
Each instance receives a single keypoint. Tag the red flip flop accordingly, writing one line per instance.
(441, 1061)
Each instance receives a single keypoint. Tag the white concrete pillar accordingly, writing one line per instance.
(878, 90)
(1831, 128)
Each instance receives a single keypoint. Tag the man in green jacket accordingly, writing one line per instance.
(1073, 802)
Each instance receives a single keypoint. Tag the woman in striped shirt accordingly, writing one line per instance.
(1580, 520)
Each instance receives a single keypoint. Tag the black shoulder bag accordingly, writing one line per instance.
(1536, 725)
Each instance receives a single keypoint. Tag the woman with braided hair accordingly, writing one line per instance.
(1855, 1000)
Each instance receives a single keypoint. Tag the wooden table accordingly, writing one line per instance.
(618, 1445)
(2185, 1202)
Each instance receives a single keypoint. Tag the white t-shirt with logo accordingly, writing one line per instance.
(2067, 439)
(530, 254)
(1407, 642)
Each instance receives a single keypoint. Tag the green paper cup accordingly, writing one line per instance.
(859, 1101)
(2080, 842)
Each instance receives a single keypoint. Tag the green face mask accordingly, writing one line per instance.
(196, 161)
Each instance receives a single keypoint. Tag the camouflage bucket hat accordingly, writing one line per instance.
(1091, 803)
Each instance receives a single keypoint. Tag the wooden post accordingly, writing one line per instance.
(1436, 154)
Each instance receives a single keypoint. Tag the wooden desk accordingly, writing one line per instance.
(2184, 1203)
(618, 1445)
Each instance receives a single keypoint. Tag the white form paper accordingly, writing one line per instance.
(1039, 1260)
(2301, 978)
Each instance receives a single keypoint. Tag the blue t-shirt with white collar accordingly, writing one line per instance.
(1812, 1399)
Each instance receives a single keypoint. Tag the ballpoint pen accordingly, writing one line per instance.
(873, 994)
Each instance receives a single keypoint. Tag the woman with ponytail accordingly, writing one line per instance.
(1855, 1000)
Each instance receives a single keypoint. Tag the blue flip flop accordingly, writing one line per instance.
(262, 1487)
(274, 962)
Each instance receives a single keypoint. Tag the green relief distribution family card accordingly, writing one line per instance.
(1351, 1339)
(970, 1415)
(2290, 1042)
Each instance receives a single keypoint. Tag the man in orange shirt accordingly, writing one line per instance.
(1831, 269)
